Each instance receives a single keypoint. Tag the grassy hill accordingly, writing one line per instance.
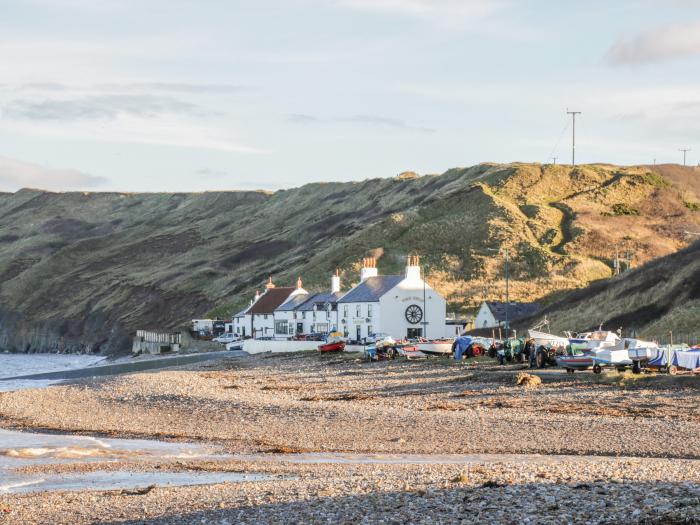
(82, 270)
(664, 294)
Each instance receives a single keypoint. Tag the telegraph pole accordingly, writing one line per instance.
(507, 296)
(685, 151)
(554, 160)
(573, 136)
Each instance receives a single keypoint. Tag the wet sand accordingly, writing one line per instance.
(313, 404)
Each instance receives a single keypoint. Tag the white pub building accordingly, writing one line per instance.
(402, 306)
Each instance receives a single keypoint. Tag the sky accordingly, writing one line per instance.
(180, 95)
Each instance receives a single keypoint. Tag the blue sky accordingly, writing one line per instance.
(139, 95)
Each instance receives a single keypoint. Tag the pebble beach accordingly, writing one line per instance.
(346, 441)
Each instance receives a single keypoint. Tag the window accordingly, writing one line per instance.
(345, 311)
(265, 316)
(303, 315)
(413, 333)
(369, 330)
(359, 310)
(291, 329)
(281, 327)
(369, 310)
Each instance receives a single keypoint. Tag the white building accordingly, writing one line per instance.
(493, 314)
(258, 319)
(398, 305)
(307, 313)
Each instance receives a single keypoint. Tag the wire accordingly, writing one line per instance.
(561, 135)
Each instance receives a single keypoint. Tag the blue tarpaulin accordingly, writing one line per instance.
(461, 345)
(689, 358)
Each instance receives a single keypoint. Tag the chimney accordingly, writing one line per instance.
(299, 285)
(269, 284)
(257, 296)
(369, 268)
(335, 282)
(413, 268)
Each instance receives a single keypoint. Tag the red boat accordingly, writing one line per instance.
(338, 346)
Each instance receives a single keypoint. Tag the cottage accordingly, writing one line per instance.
(398, 305)
(258, 319)
(493, 314)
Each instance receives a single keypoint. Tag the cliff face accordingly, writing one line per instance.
(81, 271)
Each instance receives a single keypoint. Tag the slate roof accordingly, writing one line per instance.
(515, 310)
(242, 312)
(319, 298)
(270, 300)
(371, 289)
(294, 302)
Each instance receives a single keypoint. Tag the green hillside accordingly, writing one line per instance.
(82, 270)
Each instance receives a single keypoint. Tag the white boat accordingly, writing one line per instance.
(442, 347)
(545, 339)
(595, 340)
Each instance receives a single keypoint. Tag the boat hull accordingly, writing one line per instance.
(332, 347)
(575, 362)
(441, 348)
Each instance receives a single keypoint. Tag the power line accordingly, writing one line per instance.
(685, 151)
(573, 136)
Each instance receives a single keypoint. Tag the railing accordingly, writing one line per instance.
(168, 338)
(678, 339)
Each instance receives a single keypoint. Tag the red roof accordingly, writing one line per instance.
(270, 300)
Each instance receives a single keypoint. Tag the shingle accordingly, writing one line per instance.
(371, 289)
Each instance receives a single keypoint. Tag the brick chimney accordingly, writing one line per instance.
(369, 268)
(270, 284)
(413, 268)
(335, 282)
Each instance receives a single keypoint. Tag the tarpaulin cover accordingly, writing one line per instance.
(689, 359)
(461, 345)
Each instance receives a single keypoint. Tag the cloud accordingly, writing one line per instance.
(16, 174)
(369, 120)
(375, 120)
(176, 87)
(659, 45)
(444, 12)
(98, 107)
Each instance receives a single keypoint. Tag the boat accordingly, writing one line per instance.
(334, 343)
(337, 346)
(436, 347)
(546, 340)
(582, 361)
(594, 340)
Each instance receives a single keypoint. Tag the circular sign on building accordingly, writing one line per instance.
(414, 314)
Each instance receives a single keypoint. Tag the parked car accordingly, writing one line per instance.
(226, 338)
(372, 339)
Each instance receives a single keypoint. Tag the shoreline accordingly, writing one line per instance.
(339, 435)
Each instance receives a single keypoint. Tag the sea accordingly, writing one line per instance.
(13, 365)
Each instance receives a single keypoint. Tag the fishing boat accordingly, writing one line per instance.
(334, 343)
(595, 340)
(436, 347)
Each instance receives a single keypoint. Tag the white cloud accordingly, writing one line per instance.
(659, 45)
(449, 13)
(16, 174)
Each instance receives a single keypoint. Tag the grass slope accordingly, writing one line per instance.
(81, 270)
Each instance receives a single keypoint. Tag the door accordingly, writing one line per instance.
(300, 328)
(359, 333)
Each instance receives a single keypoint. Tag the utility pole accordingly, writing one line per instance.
(573, 136)
(685, 151)
(507, 296)
(554, 160)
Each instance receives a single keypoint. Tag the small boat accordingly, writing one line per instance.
(334, 343)
(575, 362)
(547, 340)
(337, 346)
(436, 347)
(595, 340)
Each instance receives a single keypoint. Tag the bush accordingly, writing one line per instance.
(624, 209)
